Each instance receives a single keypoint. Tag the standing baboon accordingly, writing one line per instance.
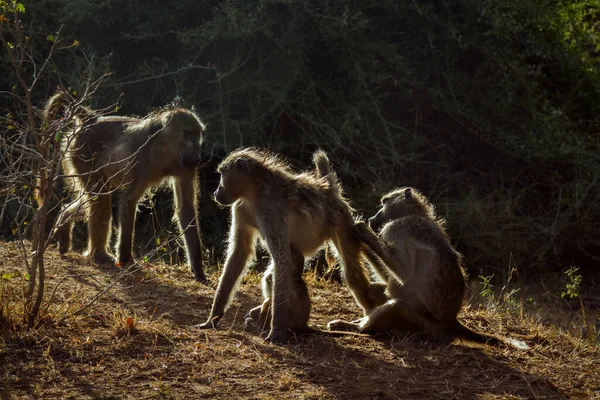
(294, 214)
(427, 289)
(129, 155)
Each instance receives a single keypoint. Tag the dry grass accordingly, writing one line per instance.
(137, 341)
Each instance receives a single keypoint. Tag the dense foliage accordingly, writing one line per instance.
(489, 107)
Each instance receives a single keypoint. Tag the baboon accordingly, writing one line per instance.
(295, 214)
(128, 155)
(426, 292)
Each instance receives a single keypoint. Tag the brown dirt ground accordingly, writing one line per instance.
(98, 355)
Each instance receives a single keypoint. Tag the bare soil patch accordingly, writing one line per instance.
(138, 341)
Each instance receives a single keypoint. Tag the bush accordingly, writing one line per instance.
(489, 107)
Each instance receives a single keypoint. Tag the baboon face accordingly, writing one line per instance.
(394, 205)
(185, 138)
(234, 185)
(189, 155)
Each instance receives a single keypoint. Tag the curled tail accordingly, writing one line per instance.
(323, 167)
(463, 332)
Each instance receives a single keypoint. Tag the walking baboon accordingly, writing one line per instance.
(426, 292)
(129, 155)
(293, 213)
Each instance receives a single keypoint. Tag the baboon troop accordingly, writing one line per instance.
(105, 155)
(421, 283)
(426, 292)
(295, 214)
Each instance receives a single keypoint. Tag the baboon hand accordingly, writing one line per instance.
(277, 336)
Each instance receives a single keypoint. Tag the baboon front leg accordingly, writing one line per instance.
(127, 211)
(241, 250)
(187, 217)
(99, 227)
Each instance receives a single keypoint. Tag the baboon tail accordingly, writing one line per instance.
(322, 163)
(323, 167)
(463, 332)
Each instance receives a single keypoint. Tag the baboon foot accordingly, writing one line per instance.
(254, 313)
(125, 260)
(339, 325)
(199, 275)
(62, 236)
(63, 248)
(277, 336)
(212, 323)
(102, 258)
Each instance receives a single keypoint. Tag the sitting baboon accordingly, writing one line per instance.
(295, 214)
(426, 291)
(104, 155)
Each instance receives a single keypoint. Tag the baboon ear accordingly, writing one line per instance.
(408, 194)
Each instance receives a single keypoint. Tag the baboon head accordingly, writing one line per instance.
(243, 170)
(400, 203)
(235, 180)
(184, 136)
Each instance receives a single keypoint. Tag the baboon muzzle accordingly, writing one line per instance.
(190, 160)
(371, 222)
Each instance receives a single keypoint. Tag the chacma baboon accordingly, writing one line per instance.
(294, 214)
(425, 293)
(128, 155)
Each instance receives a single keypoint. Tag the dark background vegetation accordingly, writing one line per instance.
(490, 107)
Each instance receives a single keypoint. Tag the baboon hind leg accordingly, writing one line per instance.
(387, 318)
(99, 215)
(62, 232)
(127, 211)
(398, 316)
(187, 217)
(299, 310)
